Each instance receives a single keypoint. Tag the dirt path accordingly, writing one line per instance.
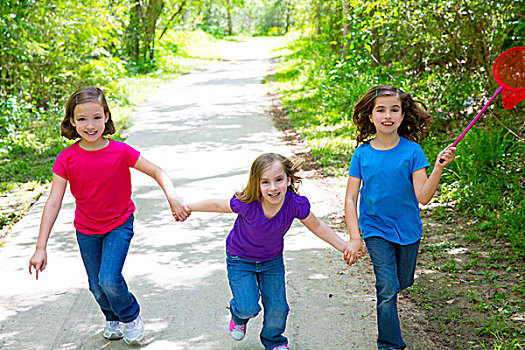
(205, 129)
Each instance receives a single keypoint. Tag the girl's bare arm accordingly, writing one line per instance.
(211, 205)
(179, 209)
(424, 186)
(49, 216)
(325, 232)
(355, 248)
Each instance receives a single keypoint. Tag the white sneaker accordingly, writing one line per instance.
(113, 330)
(134, 331)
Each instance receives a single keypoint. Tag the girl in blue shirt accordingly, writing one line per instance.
(391, 167)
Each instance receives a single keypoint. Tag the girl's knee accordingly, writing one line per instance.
(277, 310)
(246, 311)
(111, 284)
(96, 289)
(387, 290)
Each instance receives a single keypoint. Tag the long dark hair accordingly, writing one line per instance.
(416, 121)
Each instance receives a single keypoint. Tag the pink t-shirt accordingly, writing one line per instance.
(100, 181)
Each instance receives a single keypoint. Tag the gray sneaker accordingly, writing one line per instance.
(134, 331)
(237, 331)
(113, 330)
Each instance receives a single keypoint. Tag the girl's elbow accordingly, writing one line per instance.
(159, 174)
(423, 201)
(53, 203)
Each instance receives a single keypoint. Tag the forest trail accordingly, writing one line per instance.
(205, 129)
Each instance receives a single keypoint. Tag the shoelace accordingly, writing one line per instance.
(239, 327)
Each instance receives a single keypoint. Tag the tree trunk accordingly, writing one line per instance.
(318, 26)
(288, 6)
(346, 28)
(376, 49)
(229, 15)
(153, 12)
(132, 36)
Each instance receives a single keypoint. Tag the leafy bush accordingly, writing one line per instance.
(319, 86)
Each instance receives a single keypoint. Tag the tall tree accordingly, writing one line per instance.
(153, 12)
(134, 32)
(140, 33)
(229, 16)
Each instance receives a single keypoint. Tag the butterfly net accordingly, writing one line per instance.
(509, 72)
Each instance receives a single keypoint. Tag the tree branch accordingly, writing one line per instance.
(171, 19)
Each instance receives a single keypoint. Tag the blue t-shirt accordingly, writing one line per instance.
(388, 205)
(258, 238)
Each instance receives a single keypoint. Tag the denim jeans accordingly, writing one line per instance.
(250, 281)
(394, 267)
(104, 257)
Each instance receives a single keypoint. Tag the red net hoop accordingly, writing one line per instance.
(509, 71)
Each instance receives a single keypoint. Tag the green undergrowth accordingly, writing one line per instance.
(484, 183)
(30, 135)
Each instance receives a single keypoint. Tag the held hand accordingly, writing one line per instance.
(179, 209)
(354, 251)
(38, 261)
(446, 156)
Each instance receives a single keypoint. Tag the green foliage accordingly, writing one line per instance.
(439, 51)
(30, 119)
(486, 181)
(29, 145)
(255, 17)
(45, 47)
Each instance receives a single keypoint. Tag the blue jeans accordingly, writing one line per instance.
(104, 257)
(394, 267)
(252, 280)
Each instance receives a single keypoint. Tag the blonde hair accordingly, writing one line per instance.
(252, 191)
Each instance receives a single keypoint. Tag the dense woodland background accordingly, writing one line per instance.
(441, 51)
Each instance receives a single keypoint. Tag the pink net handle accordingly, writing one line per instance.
(509, 72)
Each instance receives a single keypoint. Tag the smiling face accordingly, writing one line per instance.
(274, 184)
(387, 115)
(89, 120)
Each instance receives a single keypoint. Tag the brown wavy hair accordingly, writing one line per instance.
(83, 95)
(416, 121)
(252, 191)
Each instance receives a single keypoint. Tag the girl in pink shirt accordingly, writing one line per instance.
(97, 169)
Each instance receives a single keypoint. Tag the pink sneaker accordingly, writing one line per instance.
(281, 347)
(237, 331)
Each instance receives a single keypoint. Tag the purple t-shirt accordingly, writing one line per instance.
(257, 238)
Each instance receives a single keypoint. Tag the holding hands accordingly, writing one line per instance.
(354, 251)
(179, 209)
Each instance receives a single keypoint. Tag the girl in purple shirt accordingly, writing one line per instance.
(265, 211)
(97, 169)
